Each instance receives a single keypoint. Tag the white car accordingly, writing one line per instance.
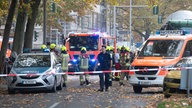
(43, 73)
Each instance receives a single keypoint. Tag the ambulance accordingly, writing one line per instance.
(161, 52)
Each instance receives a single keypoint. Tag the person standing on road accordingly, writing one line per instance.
(124, 62)
(109, 49)
(117, 64)
(105, 61)
(53, 48)
(65, 59)
(84, 65)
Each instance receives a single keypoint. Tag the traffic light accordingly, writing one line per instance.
(155, 9)
(53, 7)
(160, 20)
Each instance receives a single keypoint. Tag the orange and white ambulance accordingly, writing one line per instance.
(159, 52)
(162, 51)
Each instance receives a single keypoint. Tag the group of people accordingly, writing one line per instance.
(64, 57)
(106, 60)
(121, 60)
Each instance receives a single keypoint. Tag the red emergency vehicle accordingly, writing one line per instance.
(91, 41)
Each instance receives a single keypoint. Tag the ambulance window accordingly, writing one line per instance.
(188, 48)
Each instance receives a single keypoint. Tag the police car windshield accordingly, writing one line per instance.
(77, 42)
(162, 48)
(32, 61)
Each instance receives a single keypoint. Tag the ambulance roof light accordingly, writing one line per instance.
(173, 32)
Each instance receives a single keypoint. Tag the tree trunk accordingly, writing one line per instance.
(20, 28)
(7, 33)
(30, 25)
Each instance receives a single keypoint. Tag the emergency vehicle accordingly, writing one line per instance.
(10, 44)
(160, 53)
(91, 41)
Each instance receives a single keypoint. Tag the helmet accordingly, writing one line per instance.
(127, 49)
(63, 48)
(83, 48)
(119, 47)
(111, 47)
(52, 46)
(108, 48)
(122, 47)
(43, 46)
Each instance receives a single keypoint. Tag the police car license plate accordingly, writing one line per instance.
(29, 82)
(144, 83)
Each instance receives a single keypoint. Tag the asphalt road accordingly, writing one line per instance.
(76, 96)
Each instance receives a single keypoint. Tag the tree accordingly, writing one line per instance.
(20, 26)
(144, 23)
(28, 40)
(4, 6)
(7, 33)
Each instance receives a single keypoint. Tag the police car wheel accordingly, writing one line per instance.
(60, 85)
(54, 88)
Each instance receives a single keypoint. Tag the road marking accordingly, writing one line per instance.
(54, 105)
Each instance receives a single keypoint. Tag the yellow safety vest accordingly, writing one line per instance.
(65, 60)
(84, 61)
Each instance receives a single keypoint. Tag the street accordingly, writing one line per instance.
(76, 96)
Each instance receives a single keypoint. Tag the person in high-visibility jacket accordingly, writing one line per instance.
(117, 64)
(44, 48)
(65, 59)
(109, 49)
(124, 62)
(83, 66)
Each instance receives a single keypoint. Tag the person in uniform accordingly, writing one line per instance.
(65, 59)
(124, 62)
(105, 61)
(83, 66)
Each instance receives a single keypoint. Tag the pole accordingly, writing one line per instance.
(44, 20)
(114, 22)
(188, 82)
(130, 22)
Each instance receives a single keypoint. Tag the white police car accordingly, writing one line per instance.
(43, 73)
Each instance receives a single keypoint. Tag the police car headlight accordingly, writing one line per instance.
(167, 67)
(47, 74)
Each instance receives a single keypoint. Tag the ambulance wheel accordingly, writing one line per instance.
(137, 89)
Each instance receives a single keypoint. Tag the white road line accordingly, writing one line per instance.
(54, 105)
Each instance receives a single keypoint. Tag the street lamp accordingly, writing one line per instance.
(44, 20)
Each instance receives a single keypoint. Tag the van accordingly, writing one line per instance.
(158, 55)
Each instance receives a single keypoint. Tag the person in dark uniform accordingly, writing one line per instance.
(105, 61)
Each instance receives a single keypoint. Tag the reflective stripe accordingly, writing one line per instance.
(65, 61)
(84, 62)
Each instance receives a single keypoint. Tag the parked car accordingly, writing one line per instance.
(172, 79)
(40, 66)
